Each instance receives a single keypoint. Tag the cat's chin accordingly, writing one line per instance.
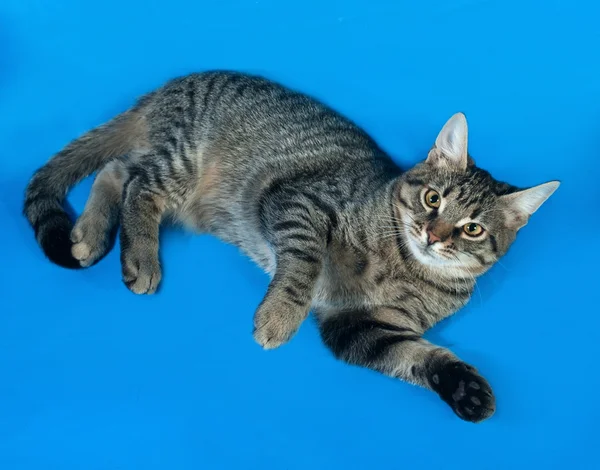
(426, 255)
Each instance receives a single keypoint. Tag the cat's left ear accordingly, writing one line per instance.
(450, 149)
(522, 204)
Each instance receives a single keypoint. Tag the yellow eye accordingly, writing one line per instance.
(472, 229)
(433, 199)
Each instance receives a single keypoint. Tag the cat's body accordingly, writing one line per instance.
(309, 197)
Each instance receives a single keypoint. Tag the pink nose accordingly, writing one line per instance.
(432, 238)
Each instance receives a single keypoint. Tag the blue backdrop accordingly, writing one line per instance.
(94, 377)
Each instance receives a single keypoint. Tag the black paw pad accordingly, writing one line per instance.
(459, 385)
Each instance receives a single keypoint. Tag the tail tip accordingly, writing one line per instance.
(55, 239)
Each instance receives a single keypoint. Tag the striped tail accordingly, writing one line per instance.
(47, 190)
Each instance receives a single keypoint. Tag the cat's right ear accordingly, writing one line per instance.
(450, 149)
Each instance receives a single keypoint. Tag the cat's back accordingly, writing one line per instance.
(249, 116)
(242, 131)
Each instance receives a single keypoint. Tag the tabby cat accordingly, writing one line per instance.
(378, 254)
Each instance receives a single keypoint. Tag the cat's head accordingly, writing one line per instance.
(455, 215)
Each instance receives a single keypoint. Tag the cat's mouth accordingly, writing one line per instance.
(427, 254)
(416, 242)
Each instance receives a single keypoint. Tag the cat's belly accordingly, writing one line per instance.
(343, 284)
(229, 226)
(221, 206)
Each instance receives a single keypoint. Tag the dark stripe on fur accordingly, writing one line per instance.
(300, 254)
(447, 290)
(479, 258)
(494, 243)
(298, 237)
(289, 225)
(294, 296)
(328, 210)
(405, 203)
(381, 347)
(414, 181)
(346, 330)
(414, 317)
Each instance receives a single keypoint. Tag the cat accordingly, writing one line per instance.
(379, 254)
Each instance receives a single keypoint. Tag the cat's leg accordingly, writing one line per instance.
(144, 203)
(383, 341)
(95, 229)
(298, 233)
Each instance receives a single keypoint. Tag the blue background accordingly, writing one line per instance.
(93, 377)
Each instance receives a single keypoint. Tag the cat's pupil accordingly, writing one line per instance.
(434, 198)
(472, 227)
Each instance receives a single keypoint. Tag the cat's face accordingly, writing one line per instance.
(456, 216)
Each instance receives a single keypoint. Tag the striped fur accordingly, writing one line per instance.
(312, 199)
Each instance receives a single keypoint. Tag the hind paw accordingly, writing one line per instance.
(91, 239)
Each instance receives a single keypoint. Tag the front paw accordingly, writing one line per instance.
(467, 393)
(141, 271)
(275, 323)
